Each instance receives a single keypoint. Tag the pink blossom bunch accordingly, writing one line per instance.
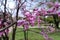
(43, 11)
(27, 14)
(32, 21)
(20, 22)
(26, 25)
(1, 33)
(58, 12)
(36, 12)
(39, 21)
(44, 34)
(54, 8)
(51, 10)
(55, 4)
(1, 26)
(51, 29)
(31, 17)
(23, 23)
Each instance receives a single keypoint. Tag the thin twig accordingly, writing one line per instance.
(7, 27)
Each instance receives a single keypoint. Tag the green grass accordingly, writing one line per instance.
(35, 36)
(55, 36)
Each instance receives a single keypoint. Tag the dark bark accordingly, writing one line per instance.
(0, 38)
(25, 34)
(7, 27)
(3, 37)
(14, 29)
(4, 20)
(56, 21)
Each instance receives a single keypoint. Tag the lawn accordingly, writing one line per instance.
(35, 36)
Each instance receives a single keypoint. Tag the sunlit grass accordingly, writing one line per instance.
(35, 36)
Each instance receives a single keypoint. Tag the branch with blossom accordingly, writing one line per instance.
(32, 17)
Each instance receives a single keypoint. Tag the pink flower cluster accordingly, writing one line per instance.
(32, 17)
(55, 9)
(8, 22)
(44, 34)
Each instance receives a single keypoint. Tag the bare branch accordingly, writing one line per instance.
(7, 27)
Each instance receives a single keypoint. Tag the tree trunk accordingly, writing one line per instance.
(56, 21)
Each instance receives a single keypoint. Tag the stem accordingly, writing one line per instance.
(3, 37)
(0, 38)
(15, 28)
(27, 35)
(25, 38)
(4, 20)
(7, 27)
(6, 36)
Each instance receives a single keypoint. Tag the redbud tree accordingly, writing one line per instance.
(29, 19)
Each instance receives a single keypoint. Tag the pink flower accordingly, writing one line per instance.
(39, 21)
(32, 21)
(7, 31)
(58, 12)
(27, 14)
(5, 23)
(1, 34)
(34, 15)
(51, 10)
(1, 27)
(44, 34)
(57, 4)
(0, 23)
(26, 25)
(43, 11)
(20, 22)
(36, 12)
(50, 3)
